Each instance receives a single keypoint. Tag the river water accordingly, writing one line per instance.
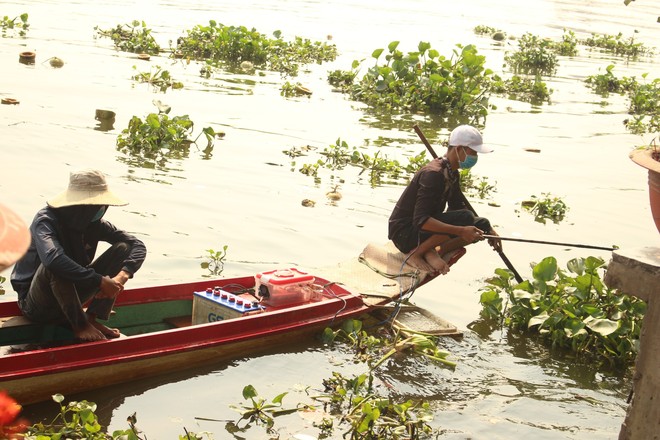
(245, 195)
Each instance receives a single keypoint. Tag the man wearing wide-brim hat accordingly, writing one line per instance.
(59, 275)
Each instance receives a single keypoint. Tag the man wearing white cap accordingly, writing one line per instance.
(57, 276)
(430, 217)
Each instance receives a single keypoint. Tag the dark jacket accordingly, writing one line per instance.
(65, 240)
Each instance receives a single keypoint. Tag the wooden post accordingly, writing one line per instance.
(637, 272)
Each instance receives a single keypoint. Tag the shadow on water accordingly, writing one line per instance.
(110, 398)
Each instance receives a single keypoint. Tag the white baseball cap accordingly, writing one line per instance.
(468, 136)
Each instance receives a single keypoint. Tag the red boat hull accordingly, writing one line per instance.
(35, 375)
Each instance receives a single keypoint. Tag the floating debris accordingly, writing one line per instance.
(104, 114)
(10, 101)
(302, 90)
(333, 195)
(144, 56)
(533, 150)
(499, 36)
(56, 62)
(27, 57)
(307, 203)
(247, 66)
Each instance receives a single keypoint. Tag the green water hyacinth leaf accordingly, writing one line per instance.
(538, 320)
(521, 294)
(572, 333)
(423, 46)
(593, 263)
(376, 53)
(249, 392)
(576, 265)
(602, 326)
(393, 45)
(545, 270)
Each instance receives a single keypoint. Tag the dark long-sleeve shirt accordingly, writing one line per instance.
(433, 188)
(55, 234)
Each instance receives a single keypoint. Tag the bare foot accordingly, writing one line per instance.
(418, 262)
(439, 264)
(107, 332)
(89, 333)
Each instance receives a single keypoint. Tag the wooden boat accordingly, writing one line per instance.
(175, 327)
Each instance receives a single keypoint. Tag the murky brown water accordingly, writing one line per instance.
(244, 194)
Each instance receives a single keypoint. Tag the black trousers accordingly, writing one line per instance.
(52, 299)
(408, 239)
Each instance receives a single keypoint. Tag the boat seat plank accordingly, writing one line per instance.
(15, 321)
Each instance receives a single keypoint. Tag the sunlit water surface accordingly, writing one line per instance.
(247, 195)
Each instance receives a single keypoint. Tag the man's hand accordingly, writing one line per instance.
(471, 234)
(494, 242)
(122, 277)
(110, 288)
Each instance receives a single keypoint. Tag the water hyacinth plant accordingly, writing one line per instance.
(617, 45)
(159, 79)
(534, 56)
(10, 25)
(546, 207)
(152, 142)
(379, 168)
(571, 309)
(215, 261)
(233, 45)
(606, 83)
(524, 89)
(132, 37)
(422, 80)
(643, 98)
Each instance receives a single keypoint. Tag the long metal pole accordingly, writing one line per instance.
(467, 204)
(556, 243)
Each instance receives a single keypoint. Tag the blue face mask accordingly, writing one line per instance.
(469, 162)
(100, 213)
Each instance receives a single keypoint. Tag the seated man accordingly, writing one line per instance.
(57, 276)
(431, 212)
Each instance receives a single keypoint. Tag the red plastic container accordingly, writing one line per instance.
(284, 286)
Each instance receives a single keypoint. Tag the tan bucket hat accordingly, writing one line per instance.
(14, 237)
(86, 187)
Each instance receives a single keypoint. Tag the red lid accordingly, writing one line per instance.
(285, 276)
